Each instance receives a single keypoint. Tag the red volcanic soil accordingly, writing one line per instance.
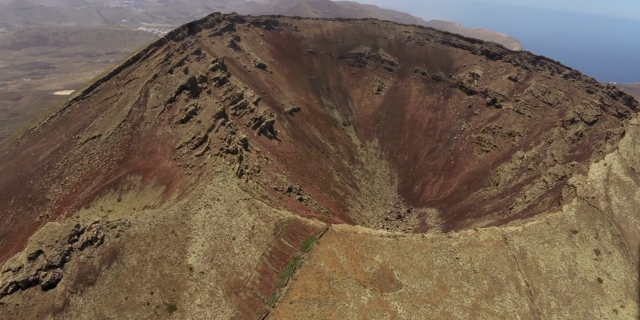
(479, 134)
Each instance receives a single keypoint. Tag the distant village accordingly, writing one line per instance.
(131, 4)
(159, 32)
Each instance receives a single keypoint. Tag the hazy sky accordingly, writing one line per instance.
(616, 8)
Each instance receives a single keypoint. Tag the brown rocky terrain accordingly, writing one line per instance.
(289, 168)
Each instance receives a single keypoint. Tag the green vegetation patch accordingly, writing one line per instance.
(171, 308)
(285, 274)
(272, 301)
(308, 243)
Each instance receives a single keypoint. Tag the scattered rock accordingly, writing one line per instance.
(378, 86)
(422, 73)
(439, 77)
(260, 65)
(296, 192)
(263, 123)
(189, 112)
(493, 102)
(35, 255)
(49, 280)
(292, 110)
(233, 44)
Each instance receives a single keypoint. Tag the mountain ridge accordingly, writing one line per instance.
(141, 13)
(53, 33)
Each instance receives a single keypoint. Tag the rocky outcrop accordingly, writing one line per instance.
(362, 57)
(44, 266)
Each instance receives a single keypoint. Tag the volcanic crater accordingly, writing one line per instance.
(384, 125)
(358, 122)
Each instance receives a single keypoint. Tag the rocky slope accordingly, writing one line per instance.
(51, 45)
(254, 167)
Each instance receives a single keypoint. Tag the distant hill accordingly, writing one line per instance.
(632, 89)
(171, 13)
(349, 9)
